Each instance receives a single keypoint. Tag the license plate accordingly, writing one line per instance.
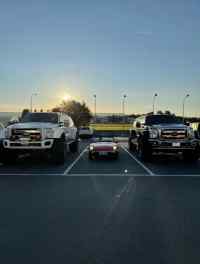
(103, 153)
(176, 144)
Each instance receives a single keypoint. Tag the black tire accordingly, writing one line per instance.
(132, 147)
(74, 146)
(144, 150)
(59, 151)
(91, 156)
(8, 157)
(191, 155)
(116, 156)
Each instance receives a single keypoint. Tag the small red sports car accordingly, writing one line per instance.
(104, 147)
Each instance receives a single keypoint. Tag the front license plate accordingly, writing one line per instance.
(103, 153)
(176, 144)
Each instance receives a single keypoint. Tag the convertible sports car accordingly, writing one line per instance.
(103, 147)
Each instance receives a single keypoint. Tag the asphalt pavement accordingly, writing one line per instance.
(96, 219)
(128, 164)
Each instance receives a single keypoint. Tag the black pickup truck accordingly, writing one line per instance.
(163, 134)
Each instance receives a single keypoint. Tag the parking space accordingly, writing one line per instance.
(128, 164)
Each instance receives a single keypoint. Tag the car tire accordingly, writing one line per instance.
(74, 146)
(91, 156)
(191, 155)
(59, 151)
(8, 157)
(116, 156)
(144, 151)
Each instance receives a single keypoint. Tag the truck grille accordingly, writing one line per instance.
(29, 134)
(173, 134)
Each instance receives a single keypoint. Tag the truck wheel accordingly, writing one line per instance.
(191, 155)
(144, 151)
(74, 146)
(59, 151)
(132, 147)
(8, 157)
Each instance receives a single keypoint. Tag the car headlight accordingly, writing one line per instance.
(114, 147)
(153, 133)
(49, 132)
(190, 133)
(91, 148)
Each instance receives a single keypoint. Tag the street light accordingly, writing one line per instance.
(123, 105)
(33, 94)
(184, 99)
(154, 100)
(95, 106)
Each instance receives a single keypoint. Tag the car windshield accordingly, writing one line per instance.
(162, 119)
(40, 117)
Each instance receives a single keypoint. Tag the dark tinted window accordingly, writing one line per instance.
(41, 117)
(162, 119)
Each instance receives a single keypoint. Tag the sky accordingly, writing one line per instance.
(108, 48)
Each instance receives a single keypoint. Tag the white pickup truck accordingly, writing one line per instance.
(54, 134)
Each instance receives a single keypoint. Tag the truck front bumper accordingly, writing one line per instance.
(28, 145)
(173, 146)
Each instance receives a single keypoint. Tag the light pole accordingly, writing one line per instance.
(184, 99)
(123, 105)
(33, 94)
(154, 100)
(95, 106)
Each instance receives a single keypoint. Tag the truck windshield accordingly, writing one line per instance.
(40, 117)
(162, 119)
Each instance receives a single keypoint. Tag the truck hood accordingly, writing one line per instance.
(33, 125)
(170, 126)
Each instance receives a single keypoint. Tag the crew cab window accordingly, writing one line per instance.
(40, 117)
(162, 119)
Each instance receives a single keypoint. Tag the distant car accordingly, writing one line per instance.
(86, 132)
(103, 147)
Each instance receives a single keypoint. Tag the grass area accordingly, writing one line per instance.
(111, 127)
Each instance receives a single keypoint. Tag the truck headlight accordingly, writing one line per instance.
(48, 132)
(153, 133)
(190, 133)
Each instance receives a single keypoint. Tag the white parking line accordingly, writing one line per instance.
(75, 161)
(139, 162)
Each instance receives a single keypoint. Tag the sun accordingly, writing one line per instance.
(66, 97)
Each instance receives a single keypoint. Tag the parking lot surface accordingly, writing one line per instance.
(128, 164)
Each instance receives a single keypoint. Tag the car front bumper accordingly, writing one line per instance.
(28, 145)
(173, 146)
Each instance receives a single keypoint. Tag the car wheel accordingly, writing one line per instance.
(74, 146)
(144, 151)
(8, 157)
(91, 156)
(59, 151)
(191, 155)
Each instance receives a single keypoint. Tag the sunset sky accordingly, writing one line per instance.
(109, 48)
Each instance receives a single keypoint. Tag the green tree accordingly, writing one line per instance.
(24, 112)
(79, 112)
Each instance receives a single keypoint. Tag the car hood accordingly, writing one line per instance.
(27, 125)
(170, 126)
(103, 144)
